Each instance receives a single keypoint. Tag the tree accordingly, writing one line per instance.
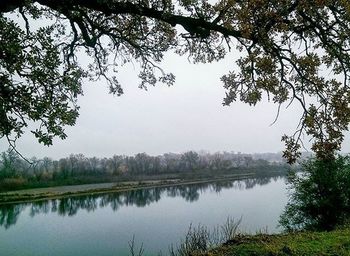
(190, 161)
(292, 50)
(7, 165)
(320, 198)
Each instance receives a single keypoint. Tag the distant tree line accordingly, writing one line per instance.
(16, 172)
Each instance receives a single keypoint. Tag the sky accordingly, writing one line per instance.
(186, 116)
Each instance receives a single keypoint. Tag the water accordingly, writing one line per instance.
(104, 224)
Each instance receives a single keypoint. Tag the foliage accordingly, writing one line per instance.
(32, 87)
(320, 195)
(291, 50)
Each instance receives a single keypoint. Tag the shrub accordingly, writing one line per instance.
(319, 196)
(12, 183)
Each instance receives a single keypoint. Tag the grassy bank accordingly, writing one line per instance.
(335, 243)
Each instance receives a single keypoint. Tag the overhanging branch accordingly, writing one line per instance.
(195, 26)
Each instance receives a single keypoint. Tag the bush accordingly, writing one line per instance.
(12, 183)
(319, 196)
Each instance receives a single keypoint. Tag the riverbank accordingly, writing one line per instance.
(291, 244)
(39, 194)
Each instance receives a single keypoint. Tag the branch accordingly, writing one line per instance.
(11, 5)
(195, 26)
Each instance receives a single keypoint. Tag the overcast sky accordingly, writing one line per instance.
(186, 116)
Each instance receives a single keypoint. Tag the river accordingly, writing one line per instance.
(104, 224)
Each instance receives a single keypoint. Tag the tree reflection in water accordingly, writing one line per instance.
(69, 206)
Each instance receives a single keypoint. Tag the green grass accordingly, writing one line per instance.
(335, 243)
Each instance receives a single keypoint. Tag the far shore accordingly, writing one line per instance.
(41, 194)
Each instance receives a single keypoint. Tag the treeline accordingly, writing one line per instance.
(16, 172)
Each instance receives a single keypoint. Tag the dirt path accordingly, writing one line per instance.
(60, 189)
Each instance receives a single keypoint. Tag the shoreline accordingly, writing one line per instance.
(19, 196)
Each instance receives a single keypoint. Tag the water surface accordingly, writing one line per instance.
(104, 224)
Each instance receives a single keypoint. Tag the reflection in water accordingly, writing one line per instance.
(69, 206)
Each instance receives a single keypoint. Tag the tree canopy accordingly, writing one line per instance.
(291, 50)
